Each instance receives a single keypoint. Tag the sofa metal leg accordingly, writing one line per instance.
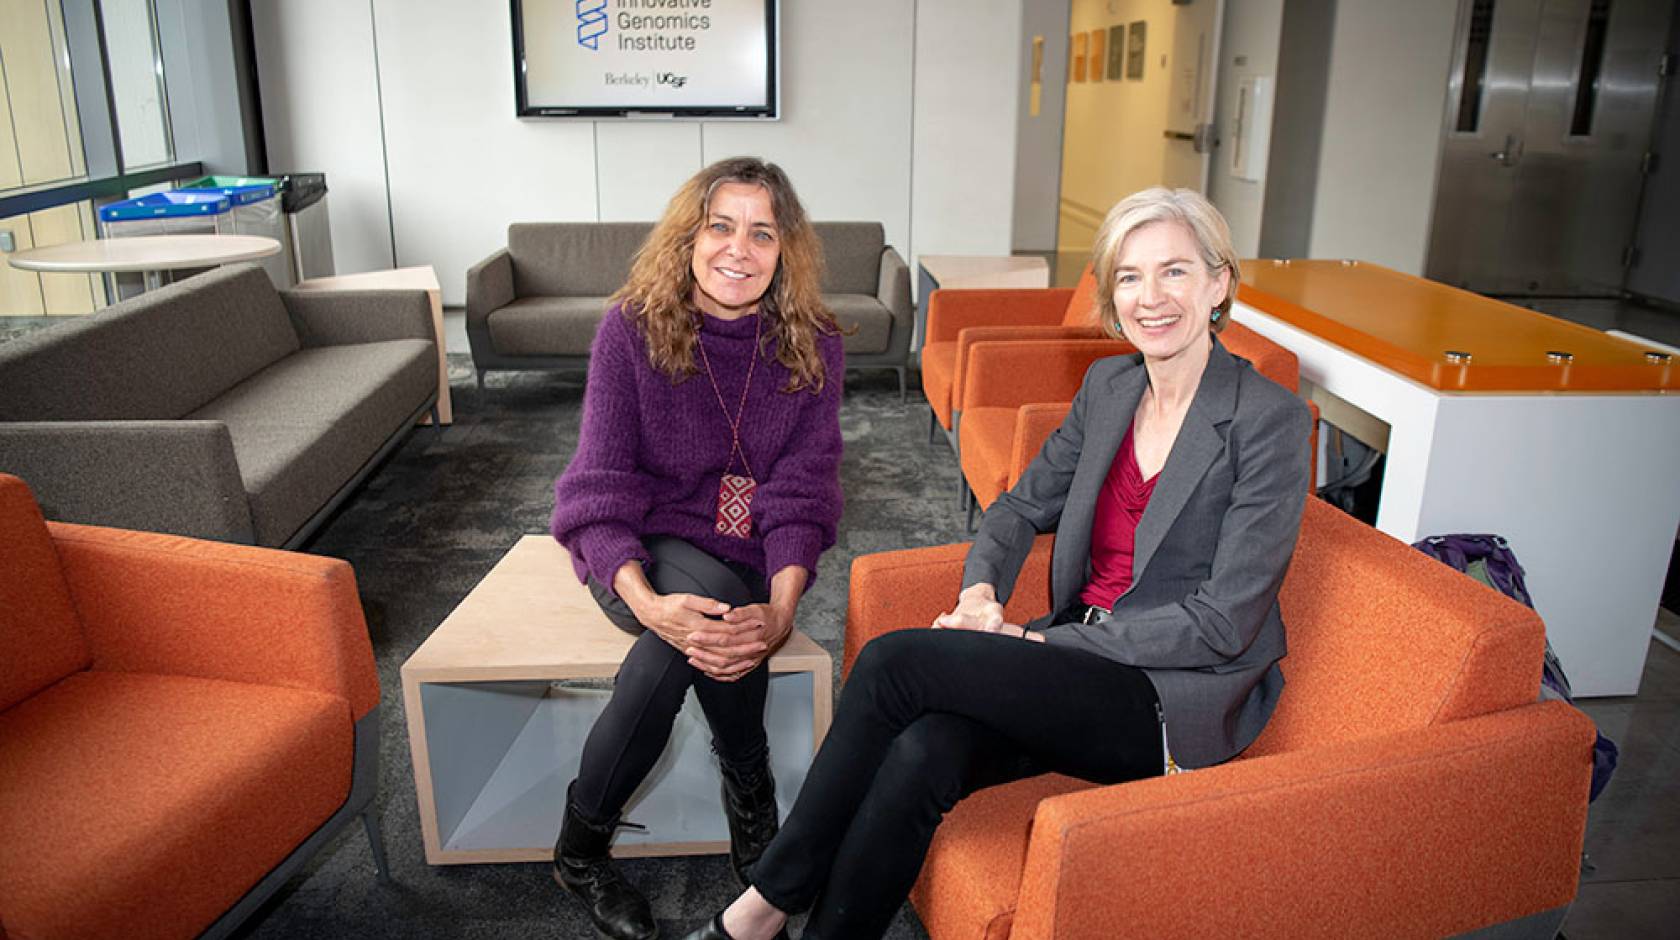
(480, 379)
(376, 841)
(437, 422)
(903, 384)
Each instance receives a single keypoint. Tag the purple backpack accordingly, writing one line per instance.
(1488, 559)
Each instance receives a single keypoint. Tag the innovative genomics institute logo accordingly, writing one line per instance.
(592, 23)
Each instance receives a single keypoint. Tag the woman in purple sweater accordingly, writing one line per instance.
(705, 485)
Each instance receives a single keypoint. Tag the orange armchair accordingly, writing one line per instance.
(182, 725)
(959, 318)
(1016, 394)
(1408, 784)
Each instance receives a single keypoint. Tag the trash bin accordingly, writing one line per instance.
(303, 200)
(254, 211)
(172, 213)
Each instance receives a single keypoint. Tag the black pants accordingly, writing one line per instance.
(632, 732)
(927, 717)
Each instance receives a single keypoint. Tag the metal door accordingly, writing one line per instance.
(1548, 118)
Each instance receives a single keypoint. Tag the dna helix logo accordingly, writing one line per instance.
(592, 23)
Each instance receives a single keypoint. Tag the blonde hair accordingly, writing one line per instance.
(1159, 204)
(659, 293)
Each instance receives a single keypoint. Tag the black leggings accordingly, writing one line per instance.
(926, 718)
(632, 732)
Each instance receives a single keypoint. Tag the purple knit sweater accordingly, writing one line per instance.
(650, 454)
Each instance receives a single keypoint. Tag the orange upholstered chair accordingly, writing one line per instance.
(958, 318)
(1016, 393)
(182, 724)
(1408, 784)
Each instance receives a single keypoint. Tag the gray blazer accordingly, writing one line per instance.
(1201, 617)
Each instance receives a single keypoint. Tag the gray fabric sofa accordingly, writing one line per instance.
(535, 304)
(216, 407)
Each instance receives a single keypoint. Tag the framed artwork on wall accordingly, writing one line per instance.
(1135, 44)
(1098, 59)
(1080, 44)
(1116, 52)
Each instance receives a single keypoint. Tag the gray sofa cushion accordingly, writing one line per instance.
(306, 424)
(156, 357)
(547, 326)
(874, 324)
(852, 251)
(573, 259)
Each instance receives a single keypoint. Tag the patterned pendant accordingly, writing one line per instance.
(734, 512)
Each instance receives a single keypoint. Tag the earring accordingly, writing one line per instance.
(1216, 314)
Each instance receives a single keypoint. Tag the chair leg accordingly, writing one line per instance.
(933, 425)
(376, 841)
(480, 379)
(437, 422)
(903, 384)
(972, 504)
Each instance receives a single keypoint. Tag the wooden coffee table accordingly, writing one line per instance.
(500, 697)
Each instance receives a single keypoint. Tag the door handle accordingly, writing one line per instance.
(1510, 153)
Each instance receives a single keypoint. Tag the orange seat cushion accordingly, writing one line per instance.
(939, 377)
(1082, 308)
(137, 806)
(972, 878)
(41, 640)
(988, 444)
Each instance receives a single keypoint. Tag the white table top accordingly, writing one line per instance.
(146, 253)
(986, 270)
(421, 278)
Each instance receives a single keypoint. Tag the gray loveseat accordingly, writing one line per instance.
(216, 407)
(535, 304)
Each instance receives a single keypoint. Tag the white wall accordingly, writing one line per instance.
(320, 108)
(1249, 49)
(963, 181)
(462, 166)
(1382, 131)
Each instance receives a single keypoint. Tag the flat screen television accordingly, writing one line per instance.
(655, 58)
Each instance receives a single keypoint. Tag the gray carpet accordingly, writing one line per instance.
(432, 522)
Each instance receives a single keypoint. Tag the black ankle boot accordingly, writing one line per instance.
(583, 867)
(749, 803)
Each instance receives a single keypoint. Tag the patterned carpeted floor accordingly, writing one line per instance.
(427, 527)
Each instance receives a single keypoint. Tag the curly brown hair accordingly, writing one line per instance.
(659, 294)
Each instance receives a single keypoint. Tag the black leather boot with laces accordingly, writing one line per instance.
(583, 866)
(749, 803)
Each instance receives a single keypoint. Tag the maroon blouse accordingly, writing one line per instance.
(1120, 504)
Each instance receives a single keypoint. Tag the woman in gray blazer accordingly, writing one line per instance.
(1175, 488)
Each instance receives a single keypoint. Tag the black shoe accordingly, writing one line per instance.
(583, 867)
(749, 803)
(713, 930)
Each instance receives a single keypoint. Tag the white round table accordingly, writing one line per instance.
(149, 254)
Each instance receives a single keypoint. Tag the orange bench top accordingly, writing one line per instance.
(1409, 325)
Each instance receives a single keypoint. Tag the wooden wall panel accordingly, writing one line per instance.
(37, 108)
(20, 291)
(61, 293)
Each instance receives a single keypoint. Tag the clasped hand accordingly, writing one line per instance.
(978, 609)
(721, 641)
